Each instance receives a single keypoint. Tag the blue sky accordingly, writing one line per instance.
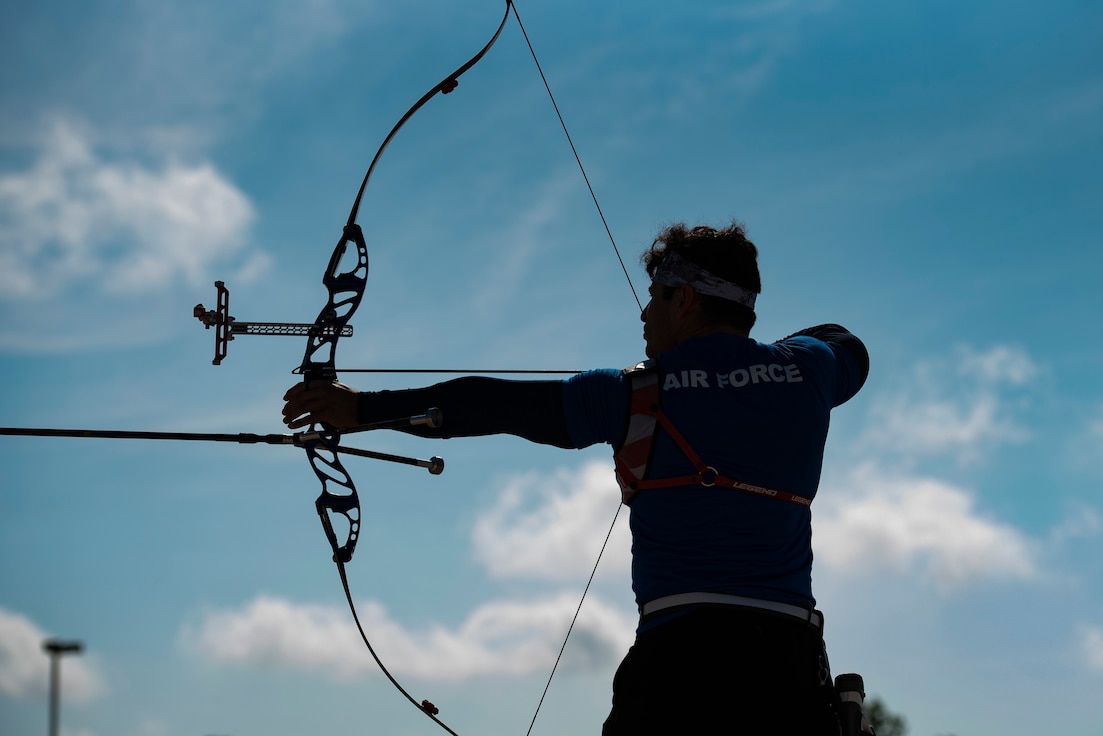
(927, 174)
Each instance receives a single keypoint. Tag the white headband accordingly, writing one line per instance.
(675, 271)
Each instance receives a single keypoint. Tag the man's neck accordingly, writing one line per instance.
(714, 328)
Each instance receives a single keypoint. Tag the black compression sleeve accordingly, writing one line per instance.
(475, 406)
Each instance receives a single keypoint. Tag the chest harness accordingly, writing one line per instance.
(645, 416)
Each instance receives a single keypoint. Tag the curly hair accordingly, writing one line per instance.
(725, 253)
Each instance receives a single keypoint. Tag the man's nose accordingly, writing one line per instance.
(643, 314)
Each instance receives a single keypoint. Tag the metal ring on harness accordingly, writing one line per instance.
(710, 473)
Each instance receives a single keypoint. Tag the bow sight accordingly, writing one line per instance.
(226, 328)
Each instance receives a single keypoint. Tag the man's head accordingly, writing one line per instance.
(702, 280)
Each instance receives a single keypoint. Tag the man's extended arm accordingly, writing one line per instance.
(474, 406)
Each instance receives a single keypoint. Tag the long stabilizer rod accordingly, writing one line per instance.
(432, 418)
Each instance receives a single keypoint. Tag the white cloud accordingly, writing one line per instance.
(75, 220)
(501, 637)
(1002, 364)
(557, 539)
(957, 406)
(918, 526)
(25, 667)
(552, 527)
(1090, 641)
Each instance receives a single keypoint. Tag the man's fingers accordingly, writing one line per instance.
(318, 403)
(296, 423)
(298, 406)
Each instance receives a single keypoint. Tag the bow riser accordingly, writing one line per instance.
(345, 290)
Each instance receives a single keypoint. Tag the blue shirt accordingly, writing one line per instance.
(757, 412)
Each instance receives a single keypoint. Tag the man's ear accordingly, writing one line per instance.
(686, 299)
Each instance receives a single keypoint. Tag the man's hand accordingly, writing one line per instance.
(333, 403)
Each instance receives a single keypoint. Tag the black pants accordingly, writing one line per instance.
(724, 670)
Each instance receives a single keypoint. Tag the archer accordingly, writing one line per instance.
(718, 444)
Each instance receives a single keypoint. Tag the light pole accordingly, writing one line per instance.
(55, 648)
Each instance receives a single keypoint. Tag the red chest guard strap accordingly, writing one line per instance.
(634, 456)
